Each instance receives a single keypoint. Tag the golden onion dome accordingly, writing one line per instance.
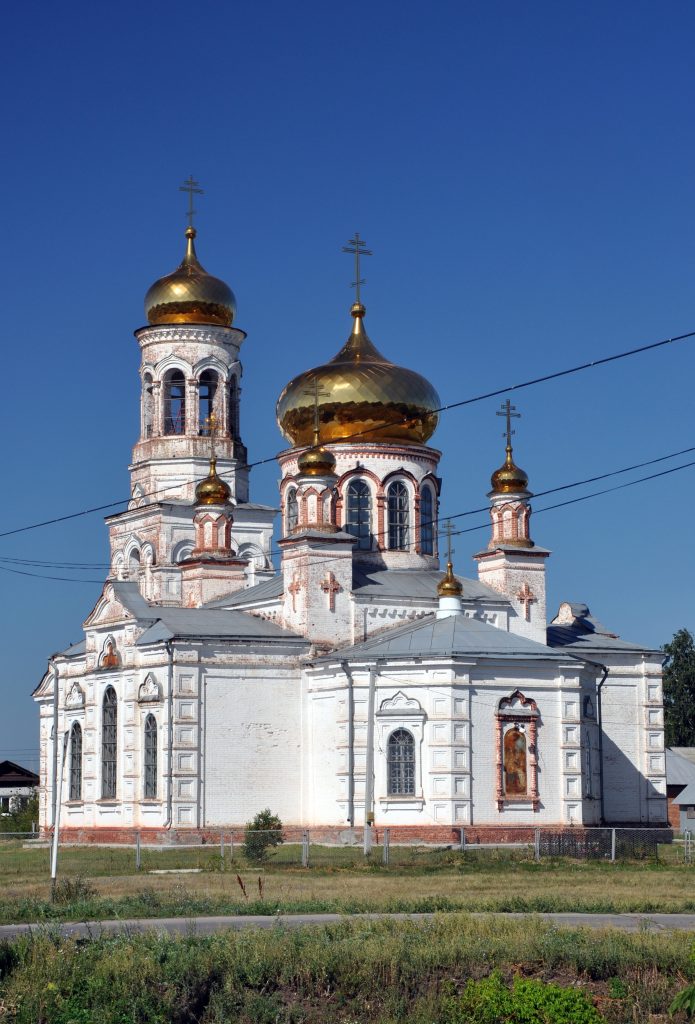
(509, 479)
(212, 490)
(190, 295)
(449, 586)
(361, 395)
(317, 461)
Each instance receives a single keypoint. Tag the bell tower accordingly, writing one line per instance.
(512, 563)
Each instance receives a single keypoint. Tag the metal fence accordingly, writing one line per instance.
(25, 857)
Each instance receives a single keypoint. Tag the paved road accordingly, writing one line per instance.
(208, 925)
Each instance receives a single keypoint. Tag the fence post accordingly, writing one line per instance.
(462, 839)
(385, 848)
(305, 848)
(137, 851)
(222, 848)
(612, 845)
(231, 846)
(537, 844)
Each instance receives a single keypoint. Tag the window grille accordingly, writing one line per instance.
(401, 763)
(207, 389)
(292, 510)
(398, 516)
(75, 762)
(150, 762)
(175, 403)
(108, 745)
(426, 521)
(359, 514)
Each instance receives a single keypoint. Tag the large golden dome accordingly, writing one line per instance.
(190, 295)
(361, 396)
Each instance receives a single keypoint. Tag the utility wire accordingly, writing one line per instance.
(444, 408)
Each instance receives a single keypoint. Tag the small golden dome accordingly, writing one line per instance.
(362, 396)
(316, 461)
(449, 586)
(212, 490)
(509, 479)
(190, 295)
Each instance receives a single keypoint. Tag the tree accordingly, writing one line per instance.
(263, 832)
(679, 690)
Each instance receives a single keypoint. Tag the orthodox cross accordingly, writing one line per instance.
(356, 248)
(192, 188)
(315, 391)
(509, 410)
(449, 530)
(210, 424)
(526, 597)
(294, 588)
(331, 587)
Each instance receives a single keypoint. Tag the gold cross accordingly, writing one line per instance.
(356, 248)
(316, 391)
(509, 410)
(192, 188)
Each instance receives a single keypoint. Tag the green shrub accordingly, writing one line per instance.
(489, 1001)
(264, 832)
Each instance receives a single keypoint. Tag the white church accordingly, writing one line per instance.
(360, 683)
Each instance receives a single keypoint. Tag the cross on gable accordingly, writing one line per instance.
(331, 587)
(293, 589)
(526, 597)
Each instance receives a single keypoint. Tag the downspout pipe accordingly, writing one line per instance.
(52, 665)
(351, 743)
(170, 731)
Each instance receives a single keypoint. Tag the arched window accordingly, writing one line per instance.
(359, 514)
(150, 759)
(398, 516)
(147, 406)
(514, 762)
(175, 403)
(292, 507)
(233, 410)
(207, 388)
(108, 744)
(134, 563)
(426, 521)
(75, 762)
(401, 763)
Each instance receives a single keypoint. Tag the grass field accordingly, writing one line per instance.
(107, 885)
(451, 970)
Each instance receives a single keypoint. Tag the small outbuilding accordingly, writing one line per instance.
(680, 774)
(17, 786)
(686, 803)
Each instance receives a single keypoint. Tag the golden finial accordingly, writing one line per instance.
(449, 586)
(509, 478)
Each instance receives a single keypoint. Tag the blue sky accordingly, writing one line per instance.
(524, 175)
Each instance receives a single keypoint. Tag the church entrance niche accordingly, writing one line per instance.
(175, 403)
(514, 762)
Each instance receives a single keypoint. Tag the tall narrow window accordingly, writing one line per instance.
(150, 761)
(233, 410)
(75, 762)
(426, 521)
(359, 514)
(398, 516)
(207, 388)
(292, 510)
(147, 405)
(108, 745)
(401, 763)
(514, 762)
(174, 403)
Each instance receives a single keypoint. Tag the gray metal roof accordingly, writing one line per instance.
(128, 593)
(75, 650)
(580, 640)
(679, 770)
(686, 797)
(230, 625)
(267, 590)
(454, 635)
(687, 752)
(417, 583)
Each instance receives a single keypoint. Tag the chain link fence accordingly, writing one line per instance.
(26, 857)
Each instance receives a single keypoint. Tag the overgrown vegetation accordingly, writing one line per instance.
(679, 690)
(23, 820)
(452, 970)
(262, 834)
